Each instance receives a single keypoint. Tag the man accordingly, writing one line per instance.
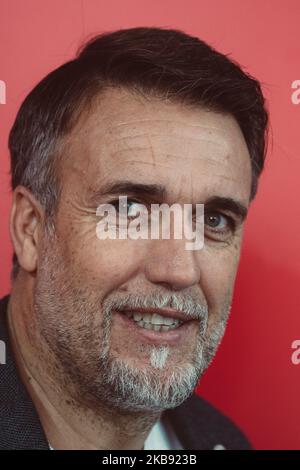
(107, 338)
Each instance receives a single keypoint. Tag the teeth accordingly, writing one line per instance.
(137, 316)
(154, 318)
(146, 317)
(153, 321)
(159, 320)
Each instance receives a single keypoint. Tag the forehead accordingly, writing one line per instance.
(188, 150)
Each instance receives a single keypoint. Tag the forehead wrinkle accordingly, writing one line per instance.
(155, 125)
(193, 149)
(95, 148)
(172, 159)
(155, 144)
(218, 140)
(148, 178)
(111, 165)
(158, 121)
(151, 148)
(157, 134)
(166, 140)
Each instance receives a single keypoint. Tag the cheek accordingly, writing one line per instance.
(102, 264)
(218, 272)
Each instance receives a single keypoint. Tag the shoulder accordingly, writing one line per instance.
(20, 426)
(3, 325)
(199, 425)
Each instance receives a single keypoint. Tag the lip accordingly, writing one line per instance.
(164, 312)
(171, 337)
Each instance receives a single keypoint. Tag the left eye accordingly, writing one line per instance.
(217, 221)
(133, 208)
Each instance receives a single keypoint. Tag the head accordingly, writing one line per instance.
(161, 117)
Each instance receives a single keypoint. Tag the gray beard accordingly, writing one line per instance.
(81, 359)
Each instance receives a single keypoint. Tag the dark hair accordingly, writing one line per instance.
(163, 62)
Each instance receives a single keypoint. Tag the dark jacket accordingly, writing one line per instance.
(197, 424)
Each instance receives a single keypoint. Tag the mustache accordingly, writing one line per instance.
(192, 308)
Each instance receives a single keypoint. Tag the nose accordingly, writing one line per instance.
(171, 265)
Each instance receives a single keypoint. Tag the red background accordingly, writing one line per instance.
(252, 378)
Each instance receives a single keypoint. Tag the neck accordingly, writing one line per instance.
(68, 423)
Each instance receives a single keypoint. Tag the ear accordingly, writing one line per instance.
(26, 217)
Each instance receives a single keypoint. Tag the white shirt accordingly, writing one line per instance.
(161, 437)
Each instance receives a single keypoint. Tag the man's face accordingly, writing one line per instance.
(85, 285)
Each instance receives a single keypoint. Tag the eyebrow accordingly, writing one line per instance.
(159, 192)
(128, 187)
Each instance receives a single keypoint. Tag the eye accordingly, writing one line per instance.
(219, 223)
(131, 207)
(134, 208)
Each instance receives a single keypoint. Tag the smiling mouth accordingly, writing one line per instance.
(154, 321)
